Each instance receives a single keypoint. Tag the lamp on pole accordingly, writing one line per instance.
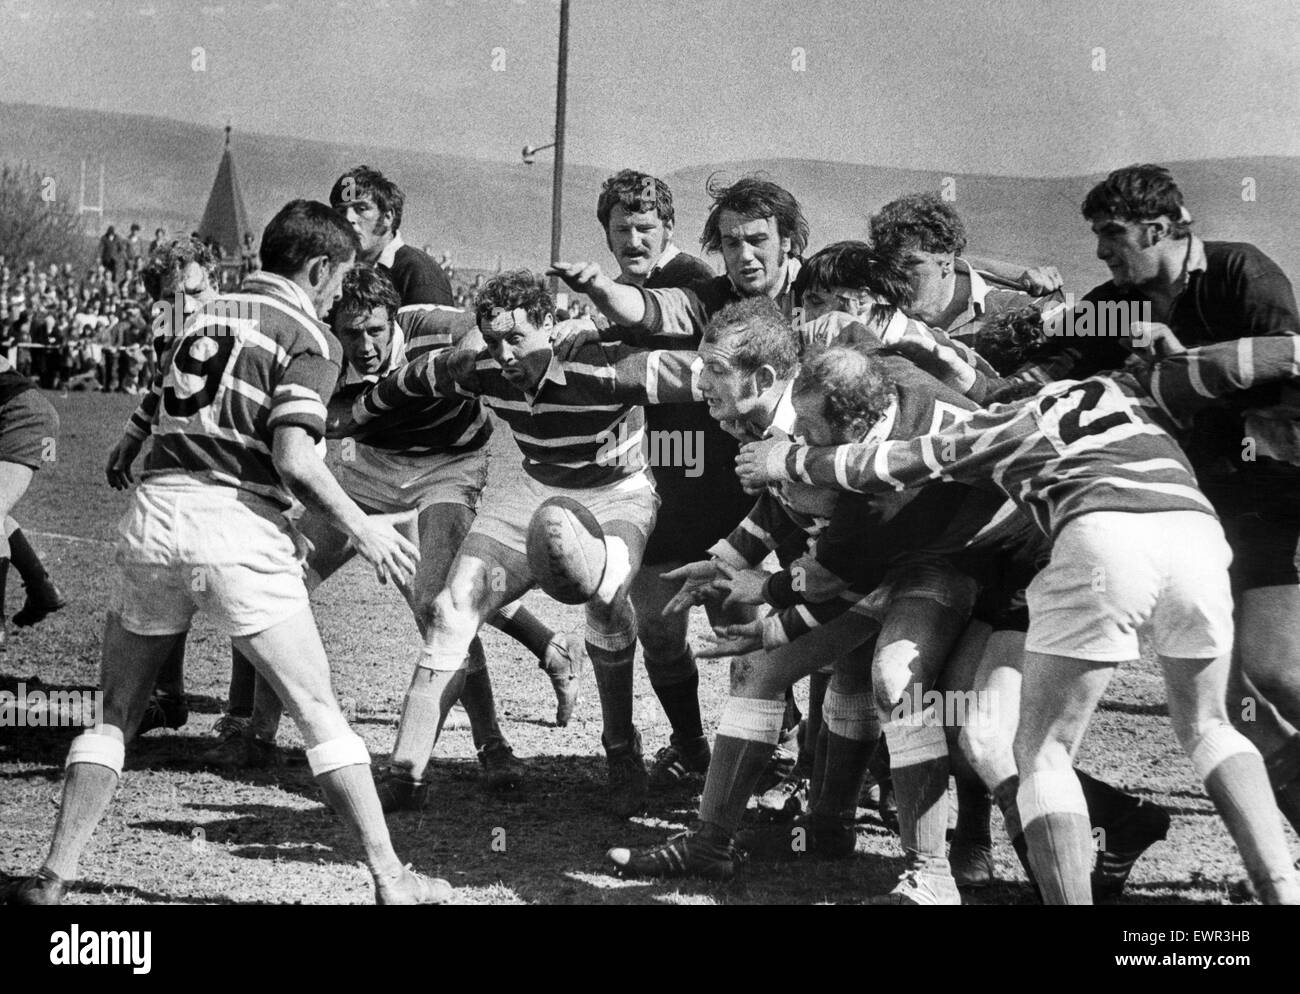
(530, 151)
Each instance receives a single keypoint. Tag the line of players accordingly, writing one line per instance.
(877, 348)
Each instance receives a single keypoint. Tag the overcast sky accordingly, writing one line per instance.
(1027, 88)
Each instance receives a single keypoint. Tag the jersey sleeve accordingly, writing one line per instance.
(673, 311)
(431, 327)
(446, 373)
(302, 394)
(767, 528)
(657, 376)
(1201, 377)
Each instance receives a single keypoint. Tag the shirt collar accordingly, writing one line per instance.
(665, 257)
(1196, 260)
(979, 290)
(284, 287)
(389, 253)
(782, 425)
(554, 374)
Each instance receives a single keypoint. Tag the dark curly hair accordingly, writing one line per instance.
(754, 197)
(856, 266)
(365, 287)
(855, 390)
(364, 183)
(638, 193)
(511, 289)
(170, 260)
(1138, 193)
(922, 218)
(1010, 339)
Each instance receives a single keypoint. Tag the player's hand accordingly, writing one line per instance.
(118, 469)
(1042, 280)
(760, 463)
(743, 586)
(698, 581)
(1155, 340)
(381, 543)
(568, 337)
(733, 640)
(580, 277)
(461, 365)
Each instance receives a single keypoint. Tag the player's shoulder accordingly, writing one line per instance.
(683, 269)
(418, 320)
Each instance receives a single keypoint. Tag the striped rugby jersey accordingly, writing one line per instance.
(246, 363)
(1078, 446)
(439, 424)
(581, 429)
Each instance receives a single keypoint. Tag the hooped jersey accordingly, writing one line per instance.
(245, 364)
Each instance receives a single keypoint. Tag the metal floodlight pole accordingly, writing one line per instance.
(557, 177)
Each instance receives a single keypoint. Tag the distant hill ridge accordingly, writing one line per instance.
(159, 172)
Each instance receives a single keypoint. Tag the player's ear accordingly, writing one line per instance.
(668, 231)
(318, 270)
(765, 378)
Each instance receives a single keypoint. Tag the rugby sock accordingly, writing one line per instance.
(1283, 773)
(342, 768)
(94, 766)
(524, 627)
(1237, 782)
(792, 715)
(430, 696)
(974, 806)
(677, 685)
(26, 561)
(267, 711)
(478, 700)
(1059, 836)
(817, 684)
(918, 751)
(171, 678)
(242, 678)
(747, 734)
(4, 579)
(611, 661)
(1106, 804)
(850, 731)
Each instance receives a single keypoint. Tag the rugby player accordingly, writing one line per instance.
(562, 413)
(698, 502)
(243, 408)
(29, 431)
(759, 229)
(1134, 542)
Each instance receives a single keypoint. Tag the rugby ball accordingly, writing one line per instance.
(566, 550)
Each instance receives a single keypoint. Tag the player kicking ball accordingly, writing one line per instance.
(243, 407)
(1135, 544)
(579, 427)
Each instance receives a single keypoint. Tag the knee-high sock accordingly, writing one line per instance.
(1059, 835)
(918, 756)
(524, 627)
(242, 679)
(747, 734)
(677, 685)
(611, 661)
(1004, 794)
(478, 700)
(792, 715)
(1284, 774)
(430, 696)
(851, 729)
(1106, 804)
(350, 791)
(1235, 779)
(817, 684)
(26, 561)
(171, 678)
(4, 580)
(974, 806)
(94, 767)
(268, 709)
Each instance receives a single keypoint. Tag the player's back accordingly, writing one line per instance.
(246, 363)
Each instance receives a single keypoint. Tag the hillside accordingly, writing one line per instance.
(159, 171)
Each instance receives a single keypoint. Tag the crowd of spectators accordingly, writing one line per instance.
(88, 327)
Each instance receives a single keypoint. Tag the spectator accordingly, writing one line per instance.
(110, 252)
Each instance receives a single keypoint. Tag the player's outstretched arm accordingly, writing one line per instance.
(375, 537)
(1202, 377)
(447, 373)
(1037, 280)
(655, 376)
(619, 303)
